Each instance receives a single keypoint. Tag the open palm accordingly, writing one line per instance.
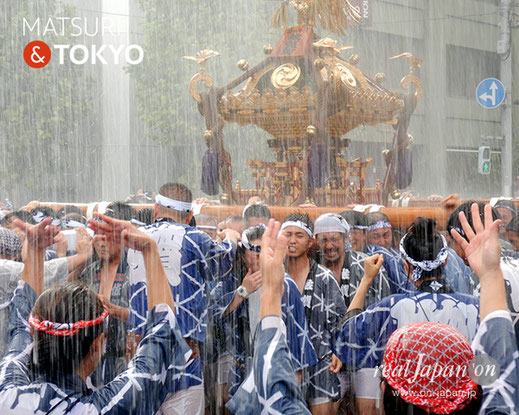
(483, 250)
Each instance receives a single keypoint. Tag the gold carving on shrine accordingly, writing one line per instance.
(201, 58)
(199, 77)
(285, 76)
(345, 75)
(411, 79)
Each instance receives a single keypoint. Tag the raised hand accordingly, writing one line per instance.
(84, 242)
(109, 227)
(38, 236)
(121, 232)
(252, 281)
(61, 245)
(483, 251)
(372, 266)
(273, 248)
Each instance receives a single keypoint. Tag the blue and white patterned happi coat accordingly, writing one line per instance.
(324, 307)
(272, 387)
(394, 265)
(300, 349)
(362, 339)
(190, 258)
(140, 389)
(351, 274)
(496, 338)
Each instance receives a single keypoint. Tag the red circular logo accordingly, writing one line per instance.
(37, 54)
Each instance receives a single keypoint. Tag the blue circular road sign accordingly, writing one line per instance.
(490, 93)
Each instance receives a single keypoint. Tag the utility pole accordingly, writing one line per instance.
(504, 49)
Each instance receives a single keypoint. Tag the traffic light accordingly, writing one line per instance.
(484, 163)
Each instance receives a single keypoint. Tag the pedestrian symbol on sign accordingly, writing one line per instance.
(490, 93)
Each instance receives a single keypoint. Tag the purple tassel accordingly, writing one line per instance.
(210, 181)
(403, 168)
(318, 169)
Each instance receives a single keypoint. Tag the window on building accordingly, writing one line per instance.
(467, 67)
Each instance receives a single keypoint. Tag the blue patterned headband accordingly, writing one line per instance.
(379, 225)
(425, 265)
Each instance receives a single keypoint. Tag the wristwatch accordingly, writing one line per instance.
(242, 291)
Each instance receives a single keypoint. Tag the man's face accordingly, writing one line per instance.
(332, 246)
(506, 217)
(513, 238)
(255, 221)
(251, 258)
(382, 237)
(107, 250)
(210, 232)
(358, 239)
(299, 242)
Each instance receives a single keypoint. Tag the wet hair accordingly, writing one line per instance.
(145, 216)
(254, 233)
(257, 211)
(453, 221)
(374, 217)
(178, 192)
(507, 204)
(46, 210)
(395, 405)
(68, 209)
(20, 214)
(355, 218)
(121, 211)
(302, 217)
(67, 302)
(423, 242)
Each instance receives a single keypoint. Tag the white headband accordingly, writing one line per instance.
(379, 225)
(298, 224)
(172, 203)
(213, 228)
(39, 217)
(425, 265)
(71, 223)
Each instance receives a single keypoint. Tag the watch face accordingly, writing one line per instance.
(242, 291)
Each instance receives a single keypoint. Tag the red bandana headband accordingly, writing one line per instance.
(64, 329)
(428, 364)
